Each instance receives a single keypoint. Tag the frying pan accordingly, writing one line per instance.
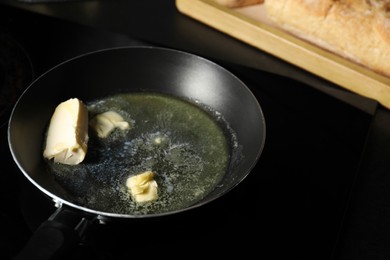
(113, 71)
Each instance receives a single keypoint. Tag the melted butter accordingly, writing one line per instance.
(184, 145)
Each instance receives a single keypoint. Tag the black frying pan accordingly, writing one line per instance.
(122, 70)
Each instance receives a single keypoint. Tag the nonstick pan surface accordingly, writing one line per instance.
(110, 72)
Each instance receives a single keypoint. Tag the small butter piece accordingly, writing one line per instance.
(67, 136)
(142, 187)
(106, 122)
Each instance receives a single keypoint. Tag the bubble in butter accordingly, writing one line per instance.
(185, 145)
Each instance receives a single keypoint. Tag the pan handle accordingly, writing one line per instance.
(55, 237)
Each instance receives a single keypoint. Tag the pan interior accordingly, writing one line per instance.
(186, 145)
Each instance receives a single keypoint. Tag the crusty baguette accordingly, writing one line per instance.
(358, 30)
(238, 3)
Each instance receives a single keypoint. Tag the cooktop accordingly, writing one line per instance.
(291, 205)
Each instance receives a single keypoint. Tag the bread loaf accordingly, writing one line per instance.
(358, 30)
(238, 3)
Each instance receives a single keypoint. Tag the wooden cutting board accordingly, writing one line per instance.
(250, 25)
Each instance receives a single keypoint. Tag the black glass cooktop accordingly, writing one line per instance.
(291, 205)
